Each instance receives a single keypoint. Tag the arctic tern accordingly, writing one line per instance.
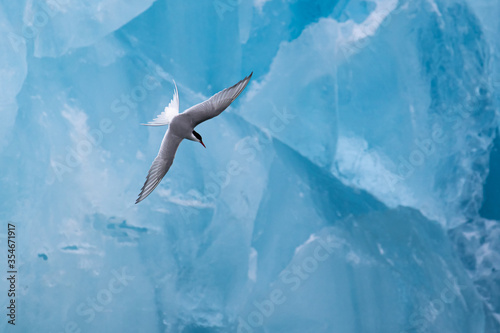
(181, 126)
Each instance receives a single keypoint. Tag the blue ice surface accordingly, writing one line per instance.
(352, 187)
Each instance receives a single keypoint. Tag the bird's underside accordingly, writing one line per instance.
(181, 126)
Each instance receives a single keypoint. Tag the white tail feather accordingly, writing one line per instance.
(169, 113)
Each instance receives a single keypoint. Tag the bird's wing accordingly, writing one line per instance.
(161, 164)
(213, 106)
(169, 113)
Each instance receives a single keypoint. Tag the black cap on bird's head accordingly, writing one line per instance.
(198, 136)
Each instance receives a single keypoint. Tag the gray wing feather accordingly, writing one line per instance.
(213, 106)
(161, 164)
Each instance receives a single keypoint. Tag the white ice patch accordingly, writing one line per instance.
(252, 264)
(140, 155)
(259, 4)
(183, 200)
(359, 166)
(78, 119)
(311, 239)
(351, 34)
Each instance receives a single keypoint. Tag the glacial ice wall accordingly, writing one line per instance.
(351, 188)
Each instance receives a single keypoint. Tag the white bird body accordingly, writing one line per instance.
(181, 126)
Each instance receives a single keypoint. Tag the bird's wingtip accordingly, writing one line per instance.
(139, 197)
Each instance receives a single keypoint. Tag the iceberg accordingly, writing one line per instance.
(352, 187)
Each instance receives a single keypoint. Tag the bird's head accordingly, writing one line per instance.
(198, 138)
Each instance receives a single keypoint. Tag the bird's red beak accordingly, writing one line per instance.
(203, 144)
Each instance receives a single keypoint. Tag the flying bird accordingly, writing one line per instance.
(181, 126)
